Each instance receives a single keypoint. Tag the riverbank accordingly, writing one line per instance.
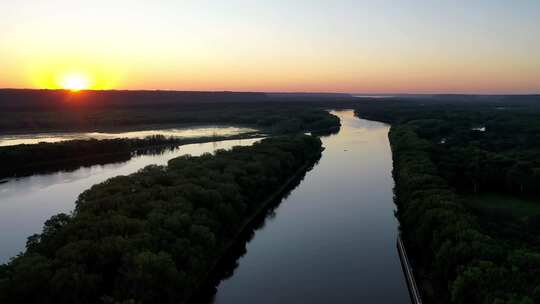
(332, 239)
(277, 117)
(246, 227)
(123, 129)
(27, 202)
(445, 153)
(25, 160)
(157, 231)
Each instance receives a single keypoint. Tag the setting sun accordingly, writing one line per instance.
(75, 82)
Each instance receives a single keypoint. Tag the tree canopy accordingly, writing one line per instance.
(445, 151)
(153, 236)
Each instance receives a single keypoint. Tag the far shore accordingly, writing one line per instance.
(120, 129)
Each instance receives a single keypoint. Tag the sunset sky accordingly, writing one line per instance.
(482, 46)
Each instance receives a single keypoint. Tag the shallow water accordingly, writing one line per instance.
(186, 132)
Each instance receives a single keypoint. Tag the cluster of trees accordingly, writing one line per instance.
(27, 159)
(480, 145)
(445, 238)
(40, 111)
(153, 236)
(486, 151)
(20, 160)
(445, 149)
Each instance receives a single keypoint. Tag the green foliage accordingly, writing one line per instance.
(152, 236)
(27, 159)
(478, 145)
(441, 153)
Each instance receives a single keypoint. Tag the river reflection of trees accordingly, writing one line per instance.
(230, 261)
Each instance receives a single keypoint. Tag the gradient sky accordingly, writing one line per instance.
(409, 46)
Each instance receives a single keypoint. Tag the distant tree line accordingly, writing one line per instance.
(478, 146)
(46, 100)
(153, 236)
(21, 160)
(27, 159)
(45, 111)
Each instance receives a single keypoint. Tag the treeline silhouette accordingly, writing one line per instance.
(23, 159)
(277, 118)
(25, 99)
(478, 147)
(154, 236)
(57, 110)
(445, 151)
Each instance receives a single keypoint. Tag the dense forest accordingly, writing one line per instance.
(270, 118)
(27, 111)
(154, 236)
(28, 99)
(21, 160)
(467, 173)
(24, 159)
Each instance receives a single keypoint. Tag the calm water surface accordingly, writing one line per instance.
(333, 239)
(26, 203)
(186, 132)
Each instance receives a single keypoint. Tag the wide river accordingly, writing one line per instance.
(331, 240)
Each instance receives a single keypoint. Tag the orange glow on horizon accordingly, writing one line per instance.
(72, 74)
(75, 82)
(349, 73)
(273, 46)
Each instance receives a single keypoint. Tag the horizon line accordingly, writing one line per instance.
(353, 94)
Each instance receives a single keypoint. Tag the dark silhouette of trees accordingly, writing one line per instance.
(446, 150)
(27, 159)
(154, 236)
(28, 111)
